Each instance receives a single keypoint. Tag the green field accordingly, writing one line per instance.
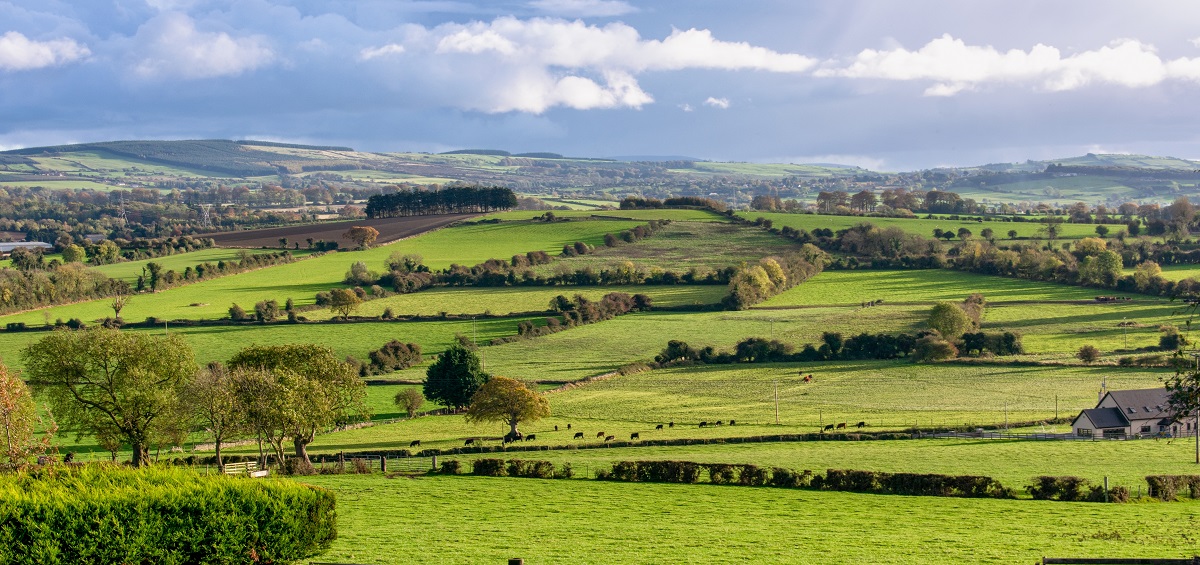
(504, 300)
(922, 227)
(643, 216)
(131, 270)
(680, 246)
(489, 520)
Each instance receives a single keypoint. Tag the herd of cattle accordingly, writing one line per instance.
(514, 437)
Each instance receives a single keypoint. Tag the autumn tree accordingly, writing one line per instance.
(18, 416)
(502, 399)
(454, 377)
(1088, 354)
(313, 390)
(362, 236)
(112, 385)
(118, 303)
(343, 301)
(949, 320)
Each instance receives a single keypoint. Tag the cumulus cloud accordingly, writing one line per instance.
(541, 63)
(19, 53)
(584, 8)
(722, 103)
(374, 52)
(686, 107)
(953, 66)
(174, 47)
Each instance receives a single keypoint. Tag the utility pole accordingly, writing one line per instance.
(777, 403)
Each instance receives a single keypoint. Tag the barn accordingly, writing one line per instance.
(1132, 413)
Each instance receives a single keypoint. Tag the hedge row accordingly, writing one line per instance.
(1074, 489)
(102, 514)
(1167, 487)
(510, 468)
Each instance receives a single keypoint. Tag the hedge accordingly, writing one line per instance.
(106, 514)
(1167, 487)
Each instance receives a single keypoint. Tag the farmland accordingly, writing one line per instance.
(390, 229)
(920, 226)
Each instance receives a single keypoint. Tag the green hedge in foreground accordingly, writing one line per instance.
(103, 514)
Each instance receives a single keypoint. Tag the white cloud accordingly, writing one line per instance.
(373, 52)
(686, 107)
(722, 103)
(953, 66)
(536, 64)
(176, 48)
(584, 8)
(19, 53)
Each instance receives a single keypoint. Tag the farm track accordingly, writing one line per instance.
(390, 229)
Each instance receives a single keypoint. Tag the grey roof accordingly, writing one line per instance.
(1142, 404)
(1106, 417)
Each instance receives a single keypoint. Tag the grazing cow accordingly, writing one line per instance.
(671, 425)
(860, 425)
(600, 434)
(568, 426)
(841, 425)
(732, 422)
(703, 424)
(720, 422)
(556, 427)
(827, 428)
(530, 437)
(69, 457)
(634, 436)
(512, 437)
(658, 427)
(578, 435)
(415, 443)
(470, 441)
(609, 438)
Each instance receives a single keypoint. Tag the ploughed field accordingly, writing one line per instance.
(390, 229)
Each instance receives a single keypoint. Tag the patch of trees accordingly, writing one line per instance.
(770, 276)
(448, 200)
(154, 278)
(23, 289)
(581, 311)
(393, 356)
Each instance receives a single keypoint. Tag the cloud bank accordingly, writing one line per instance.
(19, 53)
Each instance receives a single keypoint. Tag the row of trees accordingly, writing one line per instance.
(448, 200)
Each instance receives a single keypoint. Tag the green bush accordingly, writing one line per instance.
(1168, 487)
(1067, 489)
(489, 468)
(451, 467)
(101, 514)
(531, 469)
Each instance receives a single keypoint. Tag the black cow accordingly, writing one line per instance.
(568, 426)
(703, 424)
(578, 435)
(512, 437)
(860, 425)
(556, 427)
(732, 422)
(415, 443)
(827, 428)
(671, 425)
(530, 437)
(470, 441)
(658, 427)
(634, 436)
(609, 438)
(719, 422)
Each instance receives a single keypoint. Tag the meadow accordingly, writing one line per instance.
(488, 520)
(131, 270)
(923, 227)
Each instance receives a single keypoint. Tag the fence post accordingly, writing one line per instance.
(383, 464)
(434, 466)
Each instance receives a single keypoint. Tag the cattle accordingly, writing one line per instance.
(556, 427)
(703, 424)
(732, 422)
(470, 441)
(568, 426)
(512, 437)
(530, 437)
(841, 425)
(860, 425)
(719, 423)
(827, 428)
(634, 436)
(808, 378)
(671, 425)
(69, 457)
(609, 438)
(578, 435)
(658, 427)
(600, 434)
(415, 443)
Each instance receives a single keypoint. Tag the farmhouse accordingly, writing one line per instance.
(1132, 413)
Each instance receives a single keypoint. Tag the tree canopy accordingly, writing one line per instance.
(949, 320)
(18, 418)
(502, 399)
(454, 377)
(116, 386)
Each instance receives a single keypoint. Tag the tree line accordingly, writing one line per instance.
(447, 200)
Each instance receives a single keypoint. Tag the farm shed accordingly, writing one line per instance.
(9, 246)
(1131, 413)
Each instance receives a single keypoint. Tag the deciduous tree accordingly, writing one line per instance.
(109, 384)
(502, 399)
(210, 397)
(18, 416)
(411, 400)
(362, 236)
(949, 320)
(454, 377)
(343, 301)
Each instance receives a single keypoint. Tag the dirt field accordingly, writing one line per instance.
(390, 229)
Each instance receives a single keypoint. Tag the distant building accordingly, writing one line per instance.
(8, 246)
(95, 237)
(1132, 413)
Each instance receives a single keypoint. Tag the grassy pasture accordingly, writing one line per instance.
(920, 226)
(130, 270)
(684, 245)
(924, 287)
(642, 216)
(467, 245)
(1176, 272)
(504, 300)
(488, 520)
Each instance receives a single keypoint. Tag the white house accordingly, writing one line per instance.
(1132, 413)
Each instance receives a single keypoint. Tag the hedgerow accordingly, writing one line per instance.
(101, 514)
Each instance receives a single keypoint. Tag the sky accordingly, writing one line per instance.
(884, 84)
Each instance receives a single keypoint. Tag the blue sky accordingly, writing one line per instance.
(884, 84)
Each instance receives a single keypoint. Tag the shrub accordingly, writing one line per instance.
(1067, 489)
(753, 476)
(787, 478)
(1168, 487)
(237, 313)
(451, 467)
(721, 474)
(298, 466)
(159, 516)
(489, 468)
(531, 469)
(361, 466)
